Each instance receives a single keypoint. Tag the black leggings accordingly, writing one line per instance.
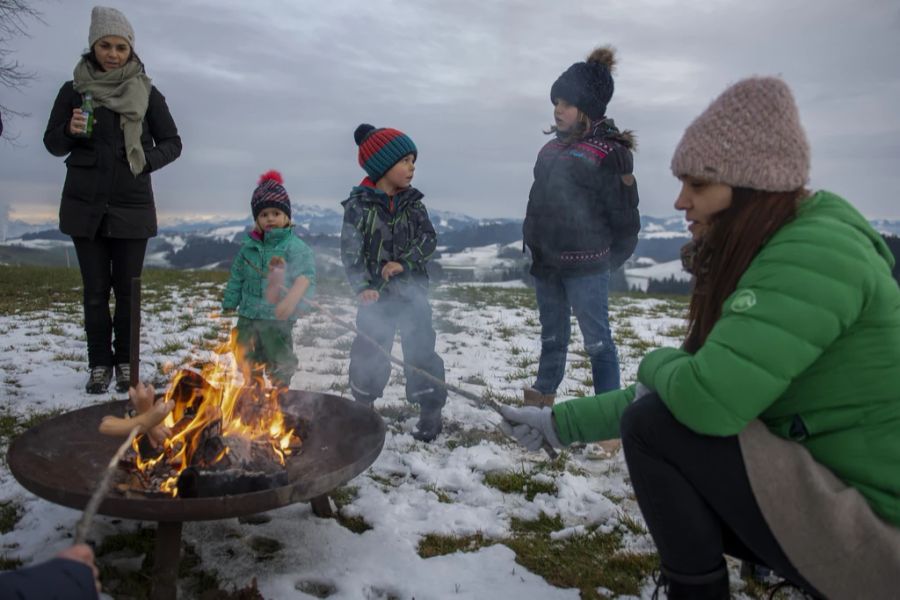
(695, 496)
(108, 264)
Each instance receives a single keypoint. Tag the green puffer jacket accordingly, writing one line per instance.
(809, 343)
(247, 285)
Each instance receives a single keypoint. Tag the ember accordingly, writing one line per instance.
(228, 435)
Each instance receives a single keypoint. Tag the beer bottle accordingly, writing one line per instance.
(87, 108)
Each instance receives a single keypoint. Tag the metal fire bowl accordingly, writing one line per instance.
(63, 459)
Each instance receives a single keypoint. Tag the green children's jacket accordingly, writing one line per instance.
(809, 343)
(247, 284)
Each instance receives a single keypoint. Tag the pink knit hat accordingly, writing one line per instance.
(750, 136)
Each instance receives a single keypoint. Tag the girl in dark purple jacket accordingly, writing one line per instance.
(582, 223)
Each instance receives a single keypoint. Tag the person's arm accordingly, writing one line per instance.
(352, 250)
(619, 193)
(301, 266)
(57, 138)
(72, 575)
(167, 142)
(414, 257)
(798, 296)
(231, 298)
(592, 418)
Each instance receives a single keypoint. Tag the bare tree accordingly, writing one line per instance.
(14, 14)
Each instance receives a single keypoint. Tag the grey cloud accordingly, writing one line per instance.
(283, 84)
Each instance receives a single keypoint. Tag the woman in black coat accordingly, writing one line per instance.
(107, 200)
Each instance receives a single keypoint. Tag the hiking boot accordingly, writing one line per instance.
(99, 380)
(123, 377)
(429, 426)
(536, 398)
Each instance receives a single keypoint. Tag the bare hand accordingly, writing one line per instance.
(82, 553)
(390, 269)
(368, 296)
(78, 123)
(285, 308)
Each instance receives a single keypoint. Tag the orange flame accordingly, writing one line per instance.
(230, 391)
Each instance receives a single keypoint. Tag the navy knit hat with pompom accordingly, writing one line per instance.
(270, 193)
(380, 149)
(588, 85)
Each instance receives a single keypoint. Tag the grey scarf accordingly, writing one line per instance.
(125, 91)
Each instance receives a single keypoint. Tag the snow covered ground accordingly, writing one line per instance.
(488, 338)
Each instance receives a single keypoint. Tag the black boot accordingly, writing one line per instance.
(710, 586)
(429, 425)
(99, 380)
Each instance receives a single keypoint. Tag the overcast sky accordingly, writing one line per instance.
(283, 83)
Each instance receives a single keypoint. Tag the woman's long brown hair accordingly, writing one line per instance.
(735, 237)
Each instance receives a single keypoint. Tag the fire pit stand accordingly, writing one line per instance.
(62, 459)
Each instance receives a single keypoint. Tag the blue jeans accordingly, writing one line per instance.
(588, 296)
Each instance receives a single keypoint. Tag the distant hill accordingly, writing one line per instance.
(469, 248)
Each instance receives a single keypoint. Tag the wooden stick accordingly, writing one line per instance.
(478, 400)
(135, 346)
(84, 523)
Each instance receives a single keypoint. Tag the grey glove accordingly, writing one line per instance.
(530, 426)
(641, 390)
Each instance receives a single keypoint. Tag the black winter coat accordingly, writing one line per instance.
(582, 214)
(101, 197)
(58, 578)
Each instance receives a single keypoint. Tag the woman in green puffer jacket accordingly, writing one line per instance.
(773, 434)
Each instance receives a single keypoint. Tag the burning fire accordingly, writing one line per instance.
(225, 416)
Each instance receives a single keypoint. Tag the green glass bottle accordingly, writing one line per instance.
(87, 108)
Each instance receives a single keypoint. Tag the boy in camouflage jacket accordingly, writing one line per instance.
(386, 240)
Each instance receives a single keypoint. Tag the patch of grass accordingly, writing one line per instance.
(71, 356)
(344, 495)
(399, 412)
(505, 332)
(171, 347)
(475, 379)
(518, 375)
(459, 437)
(442, 496)
(355, 524)
(10, 513)
(631, 524)
(585, 562)
(8, 564)
(519, 482)
(434, 544)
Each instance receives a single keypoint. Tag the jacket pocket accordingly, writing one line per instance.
(81, 158)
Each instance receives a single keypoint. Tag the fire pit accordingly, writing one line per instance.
(62, 460)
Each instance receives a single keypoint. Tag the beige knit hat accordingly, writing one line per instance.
(750, 136)
(109, 21)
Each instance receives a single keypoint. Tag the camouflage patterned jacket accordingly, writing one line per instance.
(378, 229)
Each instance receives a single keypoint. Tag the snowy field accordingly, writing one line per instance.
(469, 516)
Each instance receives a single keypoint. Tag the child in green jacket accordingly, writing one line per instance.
(273, 271)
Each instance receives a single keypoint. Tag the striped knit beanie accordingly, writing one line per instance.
(381, 149)
(270, 193)
(750, 137)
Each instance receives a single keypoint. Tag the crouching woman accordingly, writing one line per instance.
(772, 434)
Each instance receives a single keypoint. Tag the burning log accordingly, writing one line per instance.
(195, 482)
(224, 437)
